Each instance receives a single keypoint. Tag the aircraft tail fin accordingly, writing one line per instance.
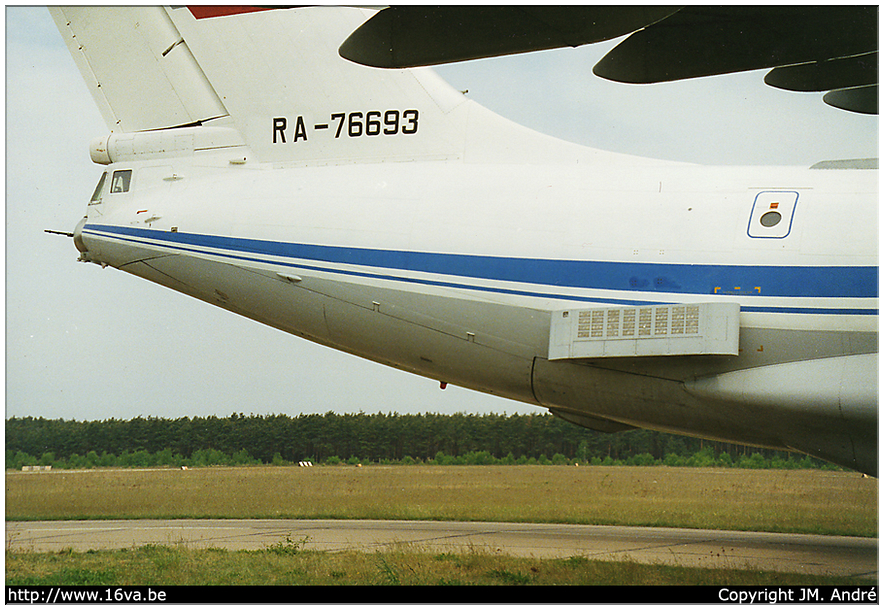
(137, 66)
(276, 77)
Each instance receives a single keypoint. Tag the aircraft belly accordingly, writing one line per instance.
(731, 412)
(429, 352)
(816, 397)
(843, 386)
(758, 347)
(240, 290)
(432, 336)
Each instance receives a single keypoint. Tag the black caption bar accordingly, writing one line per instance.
(85, 595)
(857, 594)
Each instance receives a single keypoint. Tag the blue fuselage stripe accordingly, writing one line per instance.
(767, 281)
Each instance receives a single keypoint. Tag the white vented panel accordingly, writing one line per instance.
(650, 330)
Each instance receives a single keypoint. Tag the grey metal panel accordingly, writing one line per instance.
(593, 423)
(391, 327)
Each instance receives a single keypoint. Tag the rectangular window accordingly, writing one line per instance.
(121, 180)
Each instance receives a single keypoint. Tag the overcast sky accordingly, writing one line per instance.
(86, 343)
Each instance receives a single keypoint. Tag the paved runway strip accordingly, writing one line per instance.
(810, 554)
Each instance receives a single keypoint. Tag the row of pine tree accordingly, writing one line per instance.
(333, 438)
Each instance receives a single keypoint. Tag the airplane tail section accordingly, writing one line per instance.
(275, 76)
(138, 68)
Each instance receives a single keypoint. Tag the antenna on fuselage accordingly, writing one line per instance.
(65, 233)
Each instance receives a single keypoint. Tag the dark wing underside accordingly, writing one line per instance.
(810, 48)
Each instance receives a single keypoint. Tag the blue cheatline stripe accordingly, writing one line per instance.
(773, 281)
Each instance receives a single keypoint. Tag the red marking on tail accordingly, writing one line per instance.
(207, 12)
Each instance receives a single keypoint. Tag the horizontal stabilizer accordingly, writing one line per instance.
(649, 330)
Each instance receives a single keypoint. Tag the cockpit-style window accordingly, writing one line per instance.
(96, 196)
(121, 180)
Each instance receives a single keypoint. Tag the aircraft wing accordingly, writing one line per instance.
(411, 36)
(810, 48)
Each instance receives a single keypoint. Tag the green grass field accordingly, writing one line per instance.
(809, 501)
(805, 501)
(283, 565)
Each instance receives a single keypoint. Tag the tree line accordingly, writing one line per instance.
(333, 438)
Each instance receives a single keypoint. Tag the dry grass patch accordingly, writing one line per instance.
(809, 501)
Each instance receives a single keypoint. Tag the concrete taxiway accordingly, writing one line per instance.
(801, 553)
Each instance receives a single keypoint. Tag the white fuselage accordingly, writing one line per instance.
(386, 214)
(451, 269)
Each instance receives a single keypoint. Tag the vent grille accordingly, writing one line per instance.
(657, 321)
(675, 329)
